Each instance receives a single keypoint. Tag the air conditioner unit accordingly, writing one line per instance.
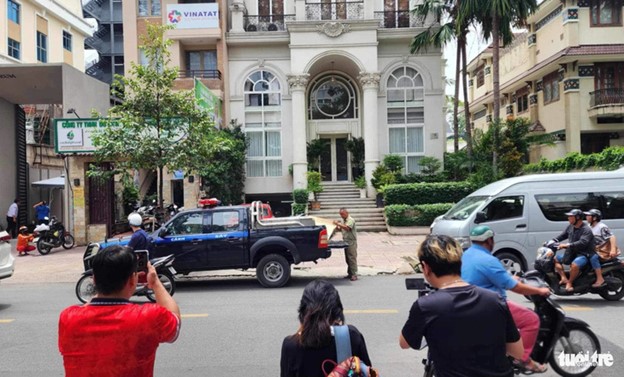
(30, 133)
(273, 27)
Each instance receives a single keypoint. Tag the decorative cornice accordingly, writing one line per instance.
(333, 29)
(369, 79)
(298, 82)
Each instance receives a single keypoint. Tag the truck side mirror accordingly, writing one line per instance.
(163, 233)
(480, 218)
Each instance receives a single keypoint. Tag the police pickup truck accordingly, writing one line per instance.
(237, 237)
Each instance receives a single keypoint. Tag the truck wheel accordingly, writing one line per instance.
(511, 262)
(273, 271)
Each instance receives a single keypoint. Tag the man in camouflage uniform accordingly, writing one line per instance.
(349, 235)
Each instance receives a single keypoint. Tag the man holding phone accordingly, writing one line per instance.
(110, 336)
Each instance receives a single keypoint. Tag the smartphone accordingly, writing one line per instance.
(142, 258)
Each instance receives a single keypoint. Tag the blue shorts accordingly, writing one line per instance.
(581, 260)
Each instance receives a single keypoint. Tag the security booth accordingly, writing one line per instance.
(31, 97)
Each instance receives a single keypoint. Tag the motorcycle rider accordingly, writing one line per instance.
(140, 239)
(481, 268)
(580, 247)
(605, 240)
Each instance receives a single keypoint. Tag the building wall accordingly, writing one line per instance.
(50, 24)
(7, 153)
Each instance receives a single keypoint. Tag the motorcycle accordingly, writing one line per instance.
(85, 287)
(612, 270)
(53, 235)
(560, 338)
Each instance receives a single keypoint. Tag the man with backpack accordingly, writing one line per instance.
(140, 239)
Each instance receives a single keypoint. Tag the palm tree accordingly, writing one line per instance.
(438, 35)
(496, 18)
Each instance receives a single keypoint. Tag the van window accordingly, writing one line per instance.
(614, 205)
(465, 207)
(554, 206)
(505, 207)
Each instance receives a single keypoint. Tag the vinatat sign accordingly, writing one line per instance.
(74, 135)
(193, 16)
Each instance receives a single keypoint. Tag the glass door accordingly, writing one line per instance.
(335, 160)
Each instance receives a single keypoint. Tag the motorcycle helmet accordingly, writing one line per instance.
(481, 233)
(577, 213)
(544, 265)
(595, 213)
(134, 219)
(23, 229)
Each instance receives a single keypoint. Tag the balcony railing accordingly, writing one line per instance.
(613, 96)
(274, 22)
(200, 74)
(334, 10)
(398, 19)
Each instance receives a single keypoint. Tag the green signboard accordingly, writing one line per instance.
(208, 101)
(74, 135)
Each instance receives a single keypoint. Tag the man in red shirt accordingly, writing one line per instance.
(110, 336)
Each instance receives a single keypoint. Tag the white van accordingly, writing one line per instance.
(525, 211)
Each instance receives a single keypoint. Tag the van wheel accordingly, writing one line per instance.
(273, 271)
(511, 262)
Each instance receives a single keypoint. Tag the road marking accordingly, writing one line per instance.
(577, 308)
(371, 311)
(202, 315)
(6, 320)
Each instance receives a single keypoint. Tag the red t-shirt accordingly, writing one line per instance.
(114, 338)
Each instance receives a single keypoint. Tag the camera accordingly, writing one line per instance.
(142, 258)
(420, 285)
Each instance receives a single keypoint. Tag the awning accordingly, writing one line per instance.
(57, 182)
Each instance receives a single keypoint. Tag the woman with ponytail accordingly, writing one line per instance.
(304, 352)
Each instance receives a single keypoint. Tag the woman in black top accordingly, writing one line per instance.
(304, 352)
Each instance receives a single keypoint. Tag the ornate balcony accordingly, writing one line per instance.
(209, 77)
(334, 10)
(606, 103)
(199, 73)
(274, 22)
(398, 19)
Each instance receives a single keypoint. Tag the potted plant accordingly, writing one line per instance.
(300, 202)
(360, 183)
(314, 186)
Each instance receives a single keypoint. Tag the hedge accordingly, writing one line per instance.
(427, 193)
(609, 159)
(299, 209)
(418, 215)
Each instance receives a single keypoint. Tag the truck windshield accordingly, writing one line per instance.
(465, 207)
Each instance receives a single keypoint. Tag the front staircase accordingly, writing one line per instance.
(367, 216)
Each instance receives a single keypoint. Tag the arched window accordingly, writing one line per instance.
(332, 97)
(263, 125)
(406, 116)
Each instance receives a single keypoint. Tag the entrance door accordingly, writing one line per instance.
(335, 160)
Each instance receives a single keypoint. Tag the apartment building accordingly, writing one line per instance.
(565, 73)
(300, 70)
(41, 69)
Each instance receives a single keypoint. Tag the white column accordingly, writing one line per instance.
(300, 10)
(297, 85)
(370, 84)
(237, 10)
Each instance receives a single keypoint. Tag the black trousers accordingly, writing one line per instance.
(11, 227)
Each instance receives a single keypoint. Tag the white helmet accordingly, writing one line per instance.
(135, 219)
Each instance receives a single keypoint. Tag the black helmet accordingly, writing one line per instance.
(595, 213)
(577, 213)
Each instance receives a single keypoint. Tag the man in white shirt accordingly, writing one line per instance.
(12, 218)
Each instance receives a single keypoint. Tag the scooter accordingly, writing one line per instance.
(560, 338)
(612, 270)
(53, 235)
(85, 287)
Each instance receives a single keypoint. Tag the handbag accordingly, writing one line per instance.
(350, 366)
(604, 251)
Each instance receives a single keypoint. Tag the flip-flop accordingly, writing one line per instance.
(569, 289)
(604, 283)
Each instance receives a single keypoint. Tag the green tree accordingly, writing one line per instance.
(497, 18)
(156, 127)
(451, 20)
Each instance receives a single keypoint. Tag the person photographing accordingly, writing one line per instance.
(110, 336)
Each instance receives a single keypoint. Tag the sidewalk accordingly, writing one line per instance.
(378, 253)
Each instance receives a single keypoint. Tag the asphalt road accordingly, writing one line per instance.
(233, 327)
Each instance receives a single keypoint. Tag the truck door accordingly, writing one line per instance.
(185, 237)
(227, 244)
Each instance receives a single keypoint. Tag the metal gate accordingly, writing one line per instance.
(101, 201)
(22, 165)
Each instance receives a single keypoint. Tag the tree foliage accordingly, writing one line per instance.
(156, 127)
